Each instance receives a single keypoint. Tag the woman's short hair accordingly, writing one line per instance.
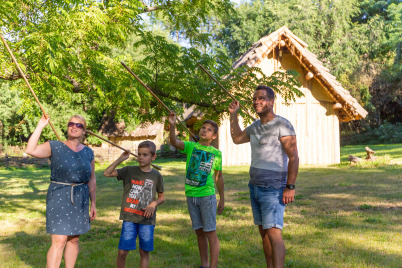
(81, 119)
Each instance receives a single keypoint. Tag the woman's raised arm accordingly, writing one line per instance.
(42, 150)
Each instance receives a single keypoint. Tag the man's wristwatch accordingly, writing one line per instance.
(290, 186)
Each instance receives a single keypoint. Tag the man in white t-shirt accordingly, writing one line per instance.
(273, 170)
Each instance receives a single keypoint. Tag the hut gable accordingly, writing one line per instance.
(143, 131)
(117, 133)
(192, 115)
(345, 105)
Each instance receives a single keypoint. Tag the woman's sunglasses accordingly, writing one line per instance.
(77, 125)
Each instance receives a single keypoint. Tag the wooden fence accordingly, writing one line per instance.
(20, 161)
(17, 158)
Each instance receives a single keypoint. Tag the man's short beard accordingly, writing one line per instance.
(262, 113)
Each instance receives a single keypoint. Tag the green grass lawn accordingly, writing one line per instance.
(343, 217)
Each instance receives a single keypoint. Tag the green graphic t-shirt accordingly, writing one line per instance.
(202, 161)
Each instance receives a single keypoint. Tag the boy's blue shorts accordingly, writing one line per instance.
(202, 212)
(267, 206)
(129, 232)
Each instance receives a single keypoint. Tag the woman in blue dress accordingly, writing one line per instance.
(73, 183)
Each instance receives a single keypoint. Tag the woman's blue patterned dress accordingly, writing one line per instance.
(66, 214)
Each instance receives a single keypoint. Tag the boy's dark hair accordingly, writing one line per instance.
(148, 144)
(270, 91)
(212, 123)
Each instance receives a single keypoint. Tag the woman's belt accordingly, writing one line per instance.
(72, 187)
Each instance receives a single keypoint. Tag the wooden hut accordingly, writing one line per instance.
(117, 133)
(315, 116)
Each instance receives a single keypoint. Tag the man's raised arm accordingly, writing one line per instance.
(238, 136)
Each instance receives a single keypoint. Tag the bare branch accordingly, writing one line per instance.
(12, 76)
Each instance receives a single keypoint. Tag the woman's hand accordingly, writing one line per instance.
(43, 121)
(92, 212)
(35, 150)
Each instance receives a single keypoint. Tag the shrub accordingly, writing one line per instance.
(387, 133)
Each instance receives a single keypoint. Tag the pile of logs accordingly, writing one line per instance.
(370, 156)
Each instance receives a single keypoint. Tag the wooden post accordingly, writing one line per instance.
(355, 159)
(308, 76)
(337, 106)
(369, 153)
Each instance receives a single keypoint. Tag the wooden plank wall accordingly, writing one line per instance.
(317, 133)
(316, 125)
(232, 154)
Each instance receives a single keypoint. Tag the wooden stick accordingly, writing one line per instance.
(227, 92)
(29, 86)
(156, 97)
(114, 144)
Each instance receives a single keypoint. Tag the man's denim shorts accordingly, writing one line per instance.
(202, 212)
(267, 206)
(129, 232)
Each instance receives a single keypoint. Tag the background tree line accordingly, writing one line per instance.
(360, 41)
(71, 51)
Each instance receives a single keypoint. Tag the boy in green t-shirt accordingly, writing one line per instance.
(204, 164)
(141, 185)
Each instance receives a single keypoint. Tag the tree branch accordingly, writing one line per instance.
(188, 101)
(77, 88)
(151, 9)
(12, 76)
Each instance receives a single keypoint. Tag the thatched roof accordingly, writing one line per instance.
(348, 107)
(192, 111)
(118, 130)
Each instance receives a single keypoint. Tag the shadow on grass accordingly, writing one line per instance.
(342, 251)
(175, 246)
(350, 185)
(30, 249)
(321, 193)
